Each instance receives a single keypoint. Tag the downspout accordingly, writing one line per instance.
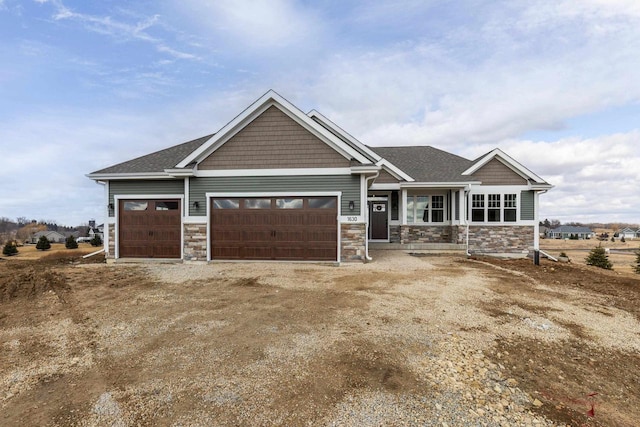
(366, 215)
(466, 219)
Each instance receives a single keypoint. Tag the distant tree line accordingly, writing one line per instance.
(22, 228)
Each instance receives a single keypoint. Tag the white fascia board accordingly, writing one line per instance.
(117, 176)
(387, 186)
(272, 172)
(507, 160)
(438, 184)
(254, 110)
(147, 196)
(394, 170)
(365, 169)
(337, 129)
(540, 187)
(179, 172)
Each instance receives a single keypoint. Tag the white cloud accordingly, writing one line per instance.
(256, 24)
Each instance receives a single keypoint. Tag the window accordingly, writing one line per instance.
(167, 206)
(510, 208)
(494, 208)
(257, 203)
(425, 209)
(136, 206)
(324, 203)
(226, 204)
(437, 208)
(477, 208)
(493, 213)
(289, 203)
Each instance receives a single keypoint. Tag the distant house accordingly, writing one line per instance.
(629, 233)
(568, 231)
(97, 230)
(52, 236)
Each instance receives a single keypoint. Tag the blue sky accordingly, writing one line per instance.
(555, 84)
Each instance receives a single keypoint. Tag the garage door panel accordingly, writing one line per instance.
(276, 228)
(150, 229)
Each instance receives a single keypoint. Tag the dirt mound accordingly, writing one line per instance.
(26, 281)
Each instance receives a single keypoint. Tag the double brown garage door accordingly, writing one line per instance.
(274, 228)
(149, 229)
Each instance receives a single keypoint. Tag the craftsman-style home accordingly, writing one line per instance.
(278, 184)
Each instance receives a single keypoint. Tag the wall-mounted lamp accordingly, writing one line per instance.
(110, 206)
(196, 205)
(352, 205)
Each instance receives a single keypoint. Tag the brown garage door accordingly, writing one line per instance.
(277, 228)
(149, 229)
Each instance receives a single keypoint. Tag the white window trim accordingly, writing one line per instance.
(430, 208)
(502, 190)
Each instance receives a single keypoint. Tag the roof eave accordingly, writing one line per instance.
(121, 176)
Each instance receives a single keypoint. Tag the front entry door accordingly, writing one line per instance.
(378, 220)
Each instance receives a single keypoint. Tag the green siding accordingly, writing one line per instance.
(142, 186)
(349, 185)
(526, 206)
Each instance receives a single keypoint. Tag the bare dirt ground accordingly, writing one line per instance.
(405, 340)
(621, 254)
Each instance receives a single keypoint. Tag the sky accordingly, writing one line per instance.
(555, 84)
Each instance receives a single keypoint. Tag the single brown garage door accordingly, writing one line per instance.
(277, 228)
(149, 229)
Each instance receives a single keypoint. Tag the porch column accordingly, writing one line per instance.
(403, 220)
(536, 227)
(463, 207)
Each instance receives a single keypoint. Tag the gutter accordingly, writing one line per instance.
(366, 237)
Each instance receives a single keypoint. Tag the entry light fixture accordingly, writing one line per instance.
(352, 205)
(110, 206)
(196, 204)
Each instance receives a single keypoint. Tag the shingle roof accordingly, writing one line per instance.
(427, 164)
(158, 161)
(571, 229)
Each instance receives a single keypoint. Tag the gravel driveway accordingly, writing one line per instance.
(403, 340)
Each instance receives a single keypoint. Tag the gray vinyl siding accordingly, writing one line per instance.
(349, 185)
(527, 206)
(168, 186)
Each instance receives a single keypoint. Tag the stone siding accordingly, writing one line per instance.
(195, 242)
(111, 249)
(352, 242)
(426, 234)
(500, 239)
(394, 233)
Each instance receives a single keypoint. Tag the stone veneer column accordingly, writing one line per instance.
(111, 249)
(352, 242)
(195, 242)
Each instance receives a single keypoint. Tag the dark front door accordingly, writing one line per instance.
(274, 228)
(378, 220)
(149, 229)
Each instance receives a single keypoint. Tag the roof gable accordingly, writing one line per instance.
(268, 100)
(508, 161)
(272, 141)
(495, 172)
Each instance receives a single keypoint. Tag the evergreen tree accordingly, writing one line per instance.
(71, 243)
(10, 249)
(598, 257)
(636, 268)
(96, 241)
(43, 243)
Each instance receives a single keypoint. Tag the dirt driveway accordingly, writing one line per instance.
(405, 340)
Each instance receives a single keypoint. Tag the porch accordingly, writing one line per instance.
(440, 248)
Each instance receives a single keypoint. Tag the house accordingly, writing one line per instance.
(52, 236)
(569, 231)
(278, 184)
(628, 233)
(96, 231)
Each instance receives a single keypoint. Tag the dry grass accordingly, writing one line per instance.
(29, 252)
